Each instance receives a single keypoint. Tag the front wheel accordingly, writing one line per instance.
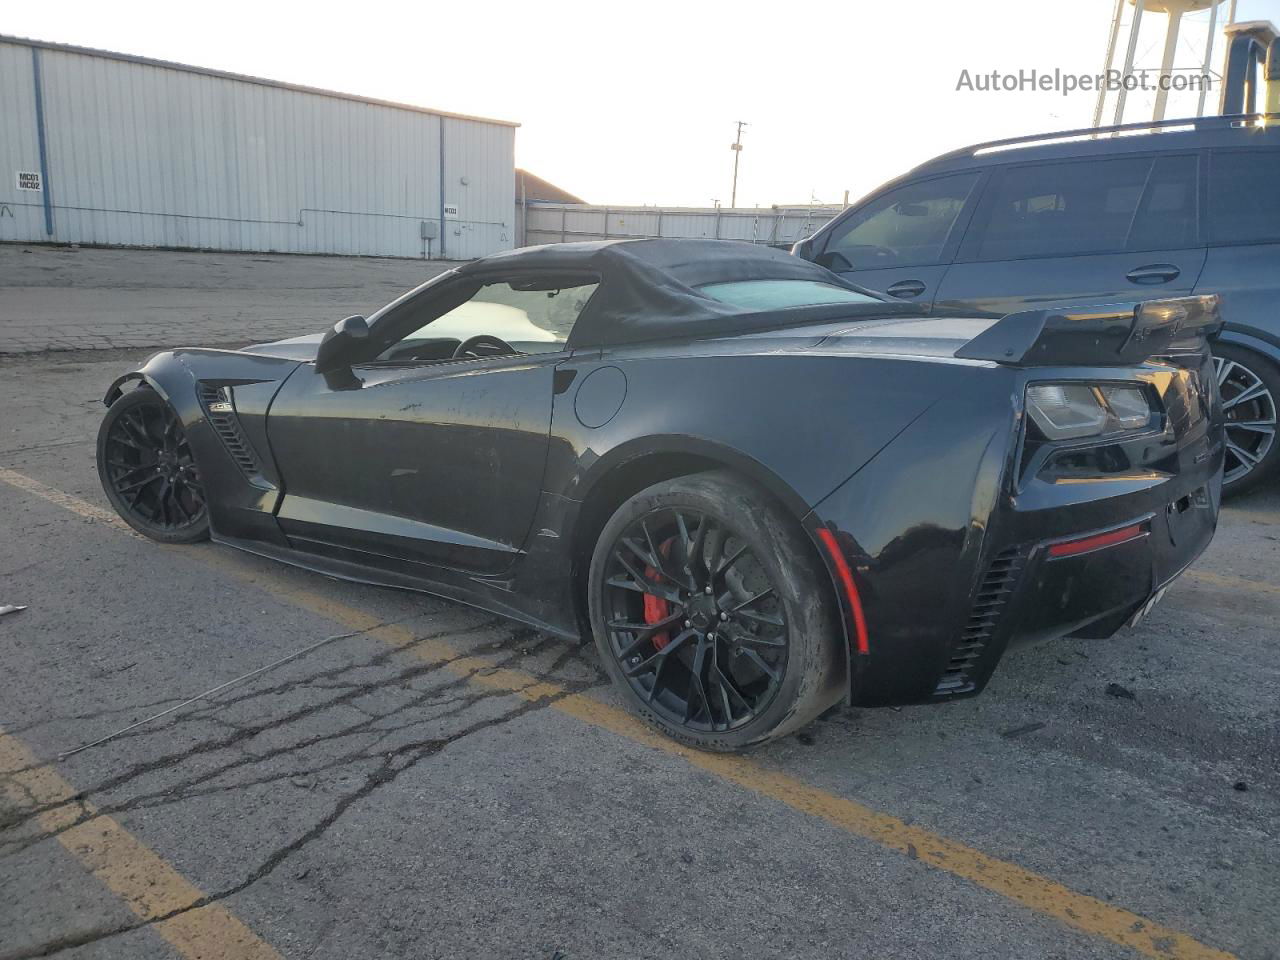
(1250, 389)
(148, 472)
(713, 614)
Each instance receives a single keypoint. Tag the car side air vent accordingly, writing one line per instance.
(988, 606)
(222, 415)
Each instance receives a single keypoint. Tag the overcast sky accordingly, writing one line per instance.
(636, 103)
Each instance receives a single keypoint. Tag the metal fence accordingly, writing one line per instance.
(538, 223)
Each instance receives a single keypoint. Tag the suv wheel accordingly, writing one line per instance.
(1250, 388)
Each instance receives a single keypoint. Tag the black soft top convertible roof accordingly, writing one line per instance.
(648, 288)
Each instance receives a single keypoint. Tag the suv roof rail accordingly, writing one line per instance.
(1085, 133)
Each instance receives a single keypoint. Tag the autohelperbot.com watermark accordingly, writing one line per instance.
(1034, 80)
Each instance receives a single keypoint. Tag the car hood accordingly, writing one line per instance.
(294, 348)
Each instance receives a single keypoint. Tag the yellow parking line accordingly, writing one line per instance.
(77, 506)
(149, 886)
(1085, 913)
(1038, 893)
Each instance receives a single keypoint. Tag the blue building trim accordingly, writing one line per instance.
(45, 190)
(442, 254)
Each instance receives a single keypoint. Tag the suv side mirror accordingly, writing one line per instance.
(834, 261)
(338, 348)
(803, 249)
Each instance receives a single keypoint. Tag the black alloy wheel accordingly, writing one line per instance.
(697, 618)
(1250, 388)
(694, 622)
(148, 471)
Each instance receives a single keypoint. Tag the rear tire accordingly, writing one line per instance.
(148, 471)
(713, 614)
(1253, 453)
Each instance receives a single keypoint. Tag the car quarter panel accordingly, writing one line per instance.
(949, 529)
(913, 525)
(797, 423)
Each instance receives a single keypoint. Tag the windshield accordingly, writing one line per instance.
(779, 294)
(532, 320)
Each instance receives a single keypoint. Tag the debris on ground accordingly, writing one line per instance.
(1240, 785)
(10, 608)
(1124, 693)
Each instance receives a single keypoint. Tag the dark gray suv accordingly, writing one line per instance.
(1121, 213)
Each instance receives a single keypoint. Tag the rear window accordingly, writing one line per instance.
(779, 294)
(1244, 196)
(1063, 208)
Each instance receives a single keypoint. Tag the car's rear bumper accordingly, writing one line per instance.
(957, 562)
(1088, 583)
(1091, 585)
(929, 640)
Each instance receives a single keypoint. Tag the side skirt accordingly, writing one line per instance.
(467, 592)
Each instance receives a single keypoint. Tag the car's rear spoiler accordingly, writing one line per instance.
(1119, 334)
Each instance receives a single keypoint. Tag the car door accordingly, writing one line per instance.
(1243, 266)
(1090, 230)
(415, 458)
(1243, 269)
(901, 241)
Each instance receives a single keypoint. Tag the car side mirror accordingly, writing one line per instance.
(835, 262)
(339, 347)
(803, 249)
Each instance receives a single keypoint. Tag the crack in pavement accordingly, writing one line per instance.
(244, 732)
(182, 790)
(214, 704)
(390, 763)
(394, 763)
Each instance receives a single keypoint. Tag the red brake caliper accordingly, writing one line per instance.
(656, 609)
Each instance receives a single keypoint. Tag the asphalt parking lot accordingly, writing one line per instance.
(87, 298)
(435, 783)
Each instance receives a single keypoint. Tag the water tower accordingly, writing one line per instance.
(1174, 10)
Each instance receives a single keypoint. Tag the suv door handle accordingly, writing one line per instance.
(1153, 273)
(906, 289)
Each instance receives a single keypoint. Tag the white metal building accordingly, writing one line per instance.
(103, 148)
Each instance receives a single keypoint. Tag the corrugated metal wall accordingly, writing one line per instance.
(564, 222)
(140, 154)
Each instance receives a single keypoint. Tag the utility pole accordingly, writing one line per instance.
(736, 147)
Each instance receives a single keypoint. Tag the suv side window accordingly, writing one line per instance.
(1092, 206)
(1244, 196)
(908, 226)
(1167, 214)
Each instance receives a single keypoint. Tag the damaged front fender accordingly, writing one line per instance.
(229, 442)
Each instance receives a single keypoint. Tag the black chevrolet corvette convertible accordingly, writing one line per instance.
(762, 490)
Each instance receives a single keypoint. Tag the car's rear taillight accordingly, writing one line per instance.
(1071, 411)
